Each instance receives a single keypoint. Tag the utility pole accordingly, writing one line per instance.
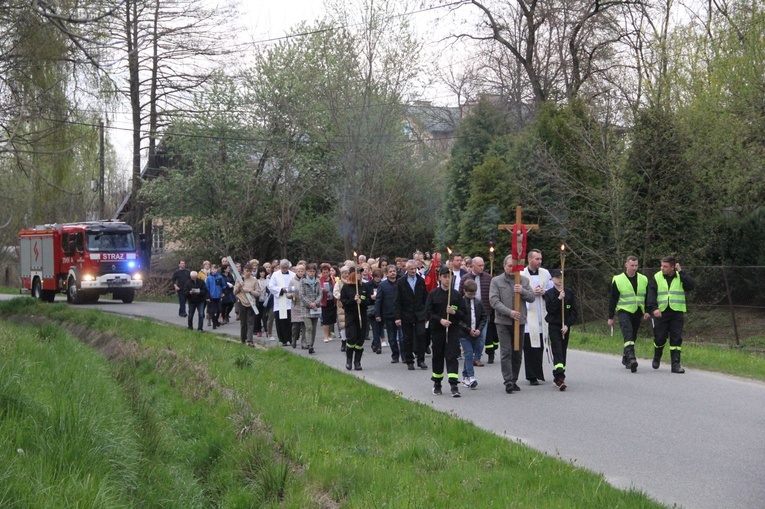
(101, 168)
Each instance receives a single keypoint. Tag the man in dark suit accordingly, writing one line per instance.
(458, 272)
(410, 314)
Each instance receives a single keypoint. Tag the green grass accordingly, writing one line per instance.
(161, 417)
(722, 356)
(9, 290)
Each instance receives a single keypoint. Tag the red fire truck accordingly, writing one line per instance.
(83, 260)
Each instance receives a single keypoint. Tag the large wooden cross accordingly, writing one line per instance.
(517, 240)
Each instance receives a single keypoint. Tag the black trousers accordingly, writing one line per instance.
(559, 347)
(445, 349)
(355, 332)
(669, 325)
(532, 360)
(629, 323)
(213, 308)
(414, 341)
(196, 307)
(283, 326)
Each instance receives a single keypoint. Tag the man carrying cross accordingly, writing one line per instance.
(510, 323)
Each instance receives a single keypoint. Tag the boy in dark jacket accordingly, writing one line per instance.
(196, 294)
(475, 320)
(555, 298)
(446, 311)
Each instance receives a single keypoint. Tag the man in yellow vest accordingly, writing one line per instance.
(666, 303)
(627, 303)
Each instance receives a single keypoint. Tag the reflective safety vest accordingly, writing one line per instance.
(630, 301)
(674, 296)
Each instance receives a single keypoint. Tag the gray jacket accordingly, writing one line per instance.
(502, 298)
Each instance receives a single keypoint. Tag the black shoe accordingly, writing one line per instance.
(533, 381)
(410, 367)
(455, 391)
(428, 351)
(490, 357)
(437, 390)
(676, 367)
(378, 352)
(215, 327)
(394, 361)
(310, 349)
(422, 365)
(657, 357)
(509, 388)
(633, 365)
(343, 347)
(515, 387)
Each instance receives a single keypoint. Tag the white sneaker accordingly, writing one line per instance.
(466, 381)
(384, 344)
(473, 382)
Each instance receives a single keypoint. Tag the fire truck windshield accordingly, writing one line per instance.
(106, 242)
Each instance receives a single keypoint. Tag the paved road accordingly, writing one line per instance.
(693, 440)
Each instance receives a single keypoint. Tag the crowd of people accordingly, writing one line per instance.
(454, 311)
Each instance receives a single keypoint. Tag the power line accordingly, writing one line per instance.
(340, 27)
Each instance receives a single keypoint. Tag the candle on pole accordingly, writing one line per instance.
(491, 258)
(562, 286)
(451, 275)
(356, 278)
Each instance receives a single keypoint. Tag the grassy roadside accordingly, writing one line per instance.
(747, 361)
(143, 296)
(164, 417)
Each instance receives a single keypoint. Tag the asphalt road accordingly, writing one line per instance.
(694, 441)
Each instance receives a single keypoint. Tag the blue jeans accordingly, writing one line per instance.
(395, 340)
(196, 307)
(469, 347)
(480, 343)
(377, 331)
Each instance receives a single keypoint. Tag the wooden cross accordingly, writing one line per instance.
(518, 242)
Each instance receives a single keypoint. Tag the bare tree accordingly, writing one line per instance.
(560, 45)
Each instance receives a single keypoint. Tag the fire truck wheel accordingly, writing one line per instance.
(127, 295)
(37, 289)
(73, 294)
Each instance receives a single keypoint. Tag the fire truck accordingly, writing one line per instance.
(83, 260)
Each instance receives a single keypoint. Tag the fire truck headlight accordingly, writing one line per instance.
(88, 277)
(137, 276)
